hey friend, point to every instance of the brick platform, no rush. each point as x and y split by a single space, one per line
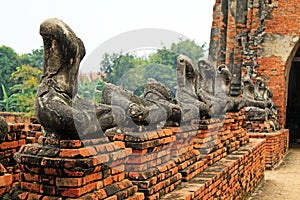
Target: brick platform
162 159
233 177
216 138
34 131
143 165
277 144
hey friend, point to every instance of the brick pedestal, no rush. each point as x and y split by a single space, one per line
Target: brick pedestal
74 169
151 165
189 160
216 138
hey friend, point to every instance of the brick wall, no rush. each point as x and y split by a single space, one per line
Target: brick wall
169 159
9 175
20 132
14 117
6 180
233 177
211 159
266 38
277 144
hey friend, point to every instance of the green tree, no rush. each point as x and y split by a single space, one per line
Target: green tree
114 66
37 57
164 56
34 59
98 91
168 56
26 81
132 72
9 60
106 65
91 90
189 48
136 78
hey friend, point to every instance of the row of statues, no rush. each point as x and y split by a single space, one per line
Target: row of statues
203 91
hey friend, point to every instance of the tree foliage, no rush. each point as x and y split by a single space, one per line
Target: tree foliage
114 66
189 48
132 72
34 59
26 81
9 60
90 90
164 56
5 101
136 78
19 78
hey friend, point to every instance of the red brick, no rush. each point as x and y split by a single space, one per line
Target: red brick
71 192
69 182
30 177
120 144
32 196
114 197
9 145
21 142
51 198
100 159
47 189
108 181
92 178
70 144
23 196
32 187
6 180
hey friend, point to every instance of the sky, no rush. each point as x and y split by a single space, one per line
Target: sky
98 21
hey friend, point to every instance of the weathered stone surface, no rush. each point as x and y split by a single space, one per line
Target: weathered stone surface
58 107
205 87
258 103
3 129
154 110
188 79
215 88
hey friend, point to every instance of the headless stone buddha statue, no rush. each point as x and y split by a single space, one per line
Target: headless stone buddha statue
188 79
155 109
215 88
58 107
250 95
256 109
263 93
